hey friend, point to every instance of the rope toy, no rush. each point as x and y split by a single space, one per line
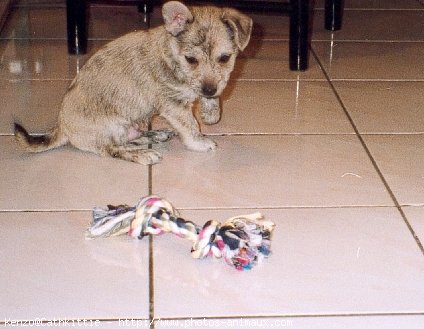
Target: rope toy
242 241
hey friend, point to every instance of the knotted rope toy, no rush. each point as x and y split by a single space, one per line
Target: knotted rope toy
242 241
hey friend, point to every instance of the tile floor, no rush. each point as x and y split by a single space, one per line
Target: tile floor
333 155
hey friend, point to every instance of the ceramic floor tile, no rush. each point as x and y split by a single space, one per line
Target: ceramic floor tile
66 178
34 103
37 59
319 256
401 158
373 25
272 26
264 59
269 171
369 60
50 22
415 216
384 107
280 107
261 60
377 4
252 107
50 271
326 322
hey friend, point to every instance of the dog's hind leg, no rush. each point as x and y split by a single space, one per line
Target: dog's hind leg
153 137
132 153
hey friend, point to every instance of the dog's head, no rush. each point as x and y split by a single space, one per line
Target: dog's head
204 43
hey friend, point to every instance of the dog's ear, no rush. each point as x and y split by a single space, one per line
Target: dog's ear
176 17
240 25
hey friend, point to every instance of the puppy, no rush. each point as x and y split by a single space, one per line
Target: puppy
157 72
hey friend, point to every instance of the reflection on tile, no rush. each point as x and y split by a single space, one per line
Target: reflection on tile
37 59
279 30
50 22
66 179
400 158
264 59
50 271
320 255
374 25
384 107
33 103
280 107
269 171
350 60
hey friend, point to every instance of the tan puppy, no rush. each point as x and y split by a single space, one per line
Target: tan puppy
157 72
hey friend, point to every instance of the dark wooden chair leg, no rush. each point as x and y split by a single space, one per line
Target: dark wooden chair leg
146 7
76 14
299 34
333 14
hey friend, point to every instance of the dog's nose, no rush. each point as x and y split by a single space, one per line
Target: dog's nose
209 90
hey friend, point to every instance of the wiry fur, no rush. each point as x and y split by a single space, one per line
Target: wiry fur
157 72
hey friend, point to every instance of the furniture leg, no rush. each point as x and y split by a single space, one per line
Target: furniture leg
299 34
76 13
333 14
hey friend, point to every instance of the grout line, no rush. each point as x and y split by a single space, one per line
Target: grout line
266 207
368 152
368 41
326 315
375 80
35 211
151 255
92 322
292 134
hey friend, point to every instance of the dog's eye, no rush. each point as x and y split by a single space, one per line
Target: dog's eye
191 60
224 58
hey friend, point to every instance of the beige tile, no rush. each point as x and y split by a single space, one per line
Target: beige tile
37 59
400 158
384 107
319 256
261 60
265 59
50 22
36 23
50 271
34 103
377 4
314 322
48 59
269 171
270 25
280 107
369 60
66 179
385 25
415 216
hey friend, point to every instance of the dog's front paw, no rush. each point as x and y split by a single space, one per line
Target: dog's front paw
210 118
210 111
201 144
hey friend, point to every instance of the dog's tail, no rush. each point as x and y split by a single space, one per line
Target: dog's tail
40 143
